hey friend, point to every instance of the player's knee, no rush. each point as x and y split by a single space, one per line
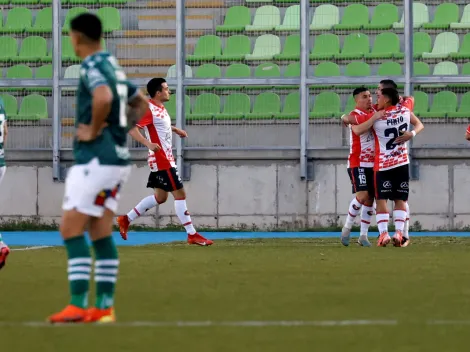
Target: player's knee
161 198
362 197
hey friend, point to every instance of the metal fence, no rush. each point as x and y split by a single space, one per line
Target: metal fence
247 75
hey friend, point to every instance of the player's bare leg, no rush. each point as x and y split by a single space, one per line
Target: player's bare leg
106 269
399 217
366 215
183 215
144 205
72 228
354 209
406 236
382 217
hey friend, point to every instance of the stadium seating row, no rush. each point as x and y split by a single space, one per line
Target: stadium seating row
355 17
33 107
20 19
34 49
64 2
327 46
326 105
42 72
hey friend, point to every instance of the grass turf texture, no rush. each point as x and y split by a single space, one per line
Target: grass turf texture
262 280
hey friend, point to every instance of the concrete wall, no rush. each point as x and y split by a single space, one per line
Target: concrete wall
259 194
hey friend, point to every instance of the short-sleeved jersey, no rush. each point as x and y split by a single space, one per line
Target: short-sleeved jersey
395 121
110 147
409 102
361 148
3 120
156 125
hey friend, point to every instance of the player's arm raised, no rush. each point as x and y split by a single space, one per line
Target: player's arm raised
367 125
418 127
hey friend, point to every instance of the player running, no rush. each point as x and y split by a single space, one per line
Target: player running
101 168
360 171
163 177
4 250
391 132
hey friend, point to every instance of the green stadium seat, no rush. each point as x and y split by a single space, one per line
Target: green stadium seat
72 72
443 68
355 46
327 69
389 68
114 2
266 19
68 54
421 44
33 107
464 21
291 19
11 105
327 104
266 70
444 15
49 2
206 71
350 105
386 46
236 19
171 73
238 71
464 108
444 102
73 12
205 107
266 46
292 70
170 106
383 18
355 16
421 103
19 72
325 17
111 18
207 48
326 47
266 105
421 69
83 2
445 44
4 2
291 108
236 106
291 49
464 52
19 19
43 22
9 48
236 47
465 71
420 16
42 72
33 49
357 69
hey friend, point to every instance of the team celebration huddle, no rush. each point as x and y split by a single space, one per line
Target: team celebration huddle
378 163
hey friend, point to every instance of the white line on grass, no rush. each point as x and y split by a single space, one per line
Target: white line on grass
30 248
248 323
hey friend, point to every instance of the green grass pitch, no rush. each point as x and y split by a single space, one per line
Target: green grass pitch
421 294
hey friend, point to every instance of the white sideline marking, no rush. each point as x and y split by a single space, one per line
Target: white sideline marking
30 248
248 323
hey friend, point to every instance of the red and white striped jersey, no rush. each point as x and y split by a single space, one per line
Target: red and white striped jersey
395 121
156 124
361 148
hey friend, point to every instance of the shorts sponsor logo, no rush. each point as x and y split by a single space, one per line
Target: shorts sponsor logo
404 185
387 184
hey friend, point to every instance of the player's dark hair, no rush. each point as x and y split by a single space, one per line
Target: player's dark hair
388 83
154 86
360 90
392 94
89 25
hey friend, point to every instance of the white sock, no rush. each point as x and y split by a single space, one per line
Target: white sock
140 209
399 217
354 208
382 221
366 216
182 212
407 222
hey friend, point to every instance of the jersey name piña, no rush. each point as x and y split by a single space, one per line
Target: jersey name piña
156 124
361 148
388 154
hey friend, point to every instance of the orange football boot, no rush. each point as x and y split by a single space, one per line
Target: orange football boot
70 314
123 222
397 238
103 316
199 240
4 251
383 240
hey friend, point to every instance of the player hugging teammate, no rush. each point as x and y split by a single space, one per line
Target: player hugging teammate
378 162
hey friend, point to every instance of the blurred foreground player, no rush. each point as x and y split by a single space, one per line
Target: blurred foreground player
163 178
101 168
4 250
391 132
